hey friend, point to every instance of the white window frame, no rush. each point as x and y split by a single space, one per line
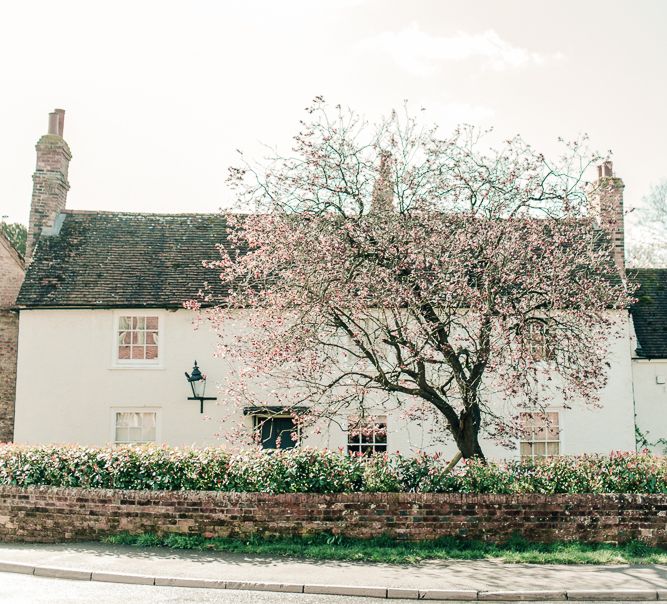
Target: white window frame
158 363
137 409
538 346
374 419
547 441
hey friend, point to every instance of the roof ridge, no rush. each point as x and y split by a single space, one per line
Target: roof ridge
129 213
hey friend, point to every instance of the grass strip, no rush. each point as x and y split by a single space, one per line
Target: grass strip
387 550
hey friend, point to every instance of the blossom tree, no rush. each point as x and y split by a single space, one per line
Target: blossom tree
386 265
650 250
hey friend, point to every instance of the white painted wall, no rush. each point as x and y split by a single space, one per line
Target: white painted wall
650 389
68 387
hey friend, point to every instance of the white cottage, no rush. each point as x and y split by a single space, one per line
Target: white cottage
104 340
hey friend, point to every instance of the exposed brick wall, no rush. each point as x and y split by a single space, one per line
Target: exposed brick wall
49 514
607 201
11 277
9 331
50 186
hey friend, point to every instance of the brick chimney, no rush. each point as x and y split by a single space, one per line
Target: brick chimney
607 205
382 198
50 185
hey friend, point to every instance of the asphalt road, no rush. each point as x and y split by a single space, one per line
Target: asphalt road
27 589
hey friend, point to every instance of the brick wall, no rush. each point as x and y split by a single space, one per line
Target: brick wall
607 203
11 277
50 514
9 331
50 186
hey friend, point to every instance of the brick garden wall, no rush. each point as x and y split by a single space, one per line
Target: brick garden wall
50 514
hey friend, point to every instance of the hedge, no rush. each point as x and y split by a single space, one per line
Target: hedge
315 471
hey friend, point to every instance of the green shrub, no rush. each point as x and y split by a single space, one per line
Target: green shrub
306 470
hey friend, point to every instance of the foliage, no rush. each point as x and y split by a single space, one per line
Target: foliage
305 470
642 440
381 549
388 266
17 235
650 248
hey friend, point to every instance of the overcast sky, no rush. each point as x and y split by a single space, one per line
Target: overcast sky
159 95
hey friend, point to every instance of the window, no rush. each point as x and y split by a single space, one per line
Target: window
541 435
137 339
135 427
275 432
367 435
540 348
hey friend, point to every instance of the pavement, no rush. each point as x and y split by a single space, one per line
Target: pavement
433 580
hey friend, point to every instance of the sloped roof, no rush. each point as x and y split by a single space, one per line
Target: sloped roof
122 259
11 251
114 259
649 314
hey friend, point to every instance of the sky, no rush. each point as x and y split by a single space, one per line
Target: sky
160 95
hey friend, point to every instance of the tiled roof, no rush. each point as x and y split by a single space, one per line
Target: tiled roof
649 314
106 259
110 259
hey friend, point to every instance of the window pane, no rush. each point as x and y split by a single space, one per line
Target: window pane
527 421
138 332
148 419
123 419
136 427
135 434
552 432
539 449
526 450
553 448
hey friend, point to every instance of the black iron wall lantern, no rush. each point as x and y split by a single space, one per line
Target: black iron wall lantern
197 382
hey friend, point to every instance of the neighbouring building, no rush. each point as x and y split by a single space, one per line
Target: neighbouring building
649 357
11 276
104 339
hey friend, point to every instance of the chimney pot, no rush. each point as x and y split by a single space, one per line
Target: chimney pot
54 123
61 121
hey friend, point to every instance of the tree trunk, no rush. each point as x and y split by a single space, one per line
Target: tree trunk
467 438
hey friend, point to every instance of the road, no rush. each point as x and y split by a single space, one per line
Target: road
27 589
